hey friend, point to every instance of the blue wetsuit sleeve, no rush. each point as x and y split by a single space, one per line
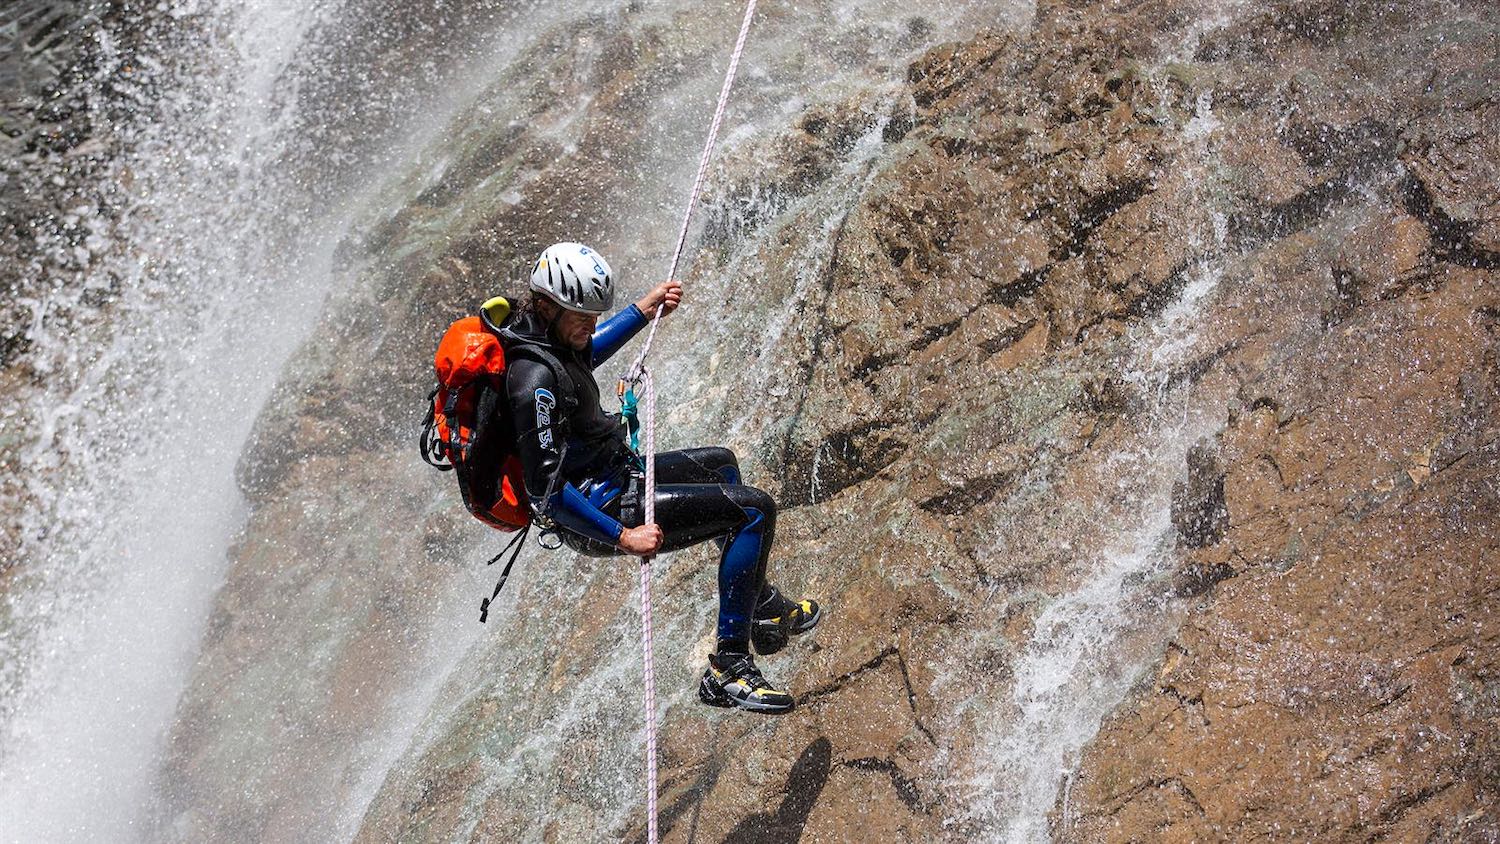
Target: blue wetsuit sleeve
537 414
571 510
615 333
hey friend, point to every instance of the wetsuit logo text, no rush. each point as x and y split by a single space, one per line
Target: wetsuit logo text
545 403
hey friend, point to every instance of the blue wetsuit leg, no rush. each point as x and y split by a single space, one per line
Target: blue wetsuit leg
692 513
698 498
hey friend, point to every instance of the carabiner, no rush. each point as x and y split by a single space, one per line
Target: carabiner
542 539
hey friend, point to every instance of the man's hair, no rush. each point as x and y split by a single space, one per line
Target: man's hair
527 305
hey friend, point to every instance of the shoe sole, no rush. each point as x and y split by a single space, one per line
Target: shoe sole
810 623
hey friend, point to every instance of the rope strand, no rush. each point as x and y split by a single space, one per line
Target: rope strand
713 133
650 402
637 374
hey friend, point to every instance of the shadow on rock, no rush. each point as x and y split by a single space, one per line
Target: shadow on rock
803 785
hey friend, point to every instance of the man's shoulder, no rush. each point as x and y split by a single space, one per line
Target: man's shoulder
536 366
528 365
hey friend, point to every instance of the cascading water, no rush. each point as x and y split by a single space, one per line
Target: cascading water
223 254
126 541
1089 646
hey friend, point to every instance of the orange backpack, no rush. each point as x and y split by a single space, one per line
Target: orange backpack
469 358
468 429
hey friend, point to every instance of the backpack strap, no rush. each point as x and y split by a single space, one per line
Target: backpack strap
432 446
567 389
516 543
453 446
531 351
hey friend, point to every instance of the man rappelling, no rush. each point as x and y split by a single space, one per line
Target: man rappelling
582 477
528 382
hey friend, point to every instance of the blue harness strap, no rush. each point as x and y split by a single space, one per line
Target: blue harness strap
630 414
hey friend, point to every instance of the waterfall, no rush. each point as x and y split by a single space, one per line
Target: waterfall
122 560
235 192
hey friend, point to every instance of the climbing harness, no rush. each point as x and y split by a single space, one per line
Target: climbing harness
638 375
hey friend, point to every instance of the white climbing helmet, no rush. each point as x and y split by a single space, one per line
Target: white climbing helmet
574 276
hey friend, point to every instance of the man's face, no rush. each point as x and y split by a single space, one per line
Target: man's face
574 329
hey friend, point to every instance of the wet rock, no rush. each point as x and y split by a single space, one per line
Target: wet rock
1452 150
1381 260
1198 576
1198 510
1339 534
825 138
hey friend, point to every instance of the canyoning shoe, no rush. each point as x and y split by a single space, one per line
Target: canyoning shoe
733 680
777 620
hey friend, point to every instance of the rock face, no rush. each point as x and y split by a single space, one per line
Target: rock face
1339 681
1140 351
1335 678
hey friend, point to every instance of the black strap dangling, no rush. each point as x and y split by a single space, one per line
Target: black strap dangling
517 544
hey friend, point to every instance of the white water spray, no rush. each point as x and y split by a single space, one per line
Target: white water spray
1089 645
222 275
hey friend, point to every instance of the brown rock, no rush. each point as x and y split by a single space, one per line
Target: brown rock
1289 681
1198 510
1382 259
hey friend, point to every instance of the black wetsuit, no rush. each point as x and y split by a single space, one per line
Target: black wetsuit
582 474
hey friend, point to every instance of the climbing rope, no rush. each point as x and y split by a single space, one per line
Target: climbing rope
638 374
639 365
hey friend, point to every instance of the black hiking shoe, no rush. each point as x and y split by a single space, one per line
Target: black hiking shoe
733 680
777 620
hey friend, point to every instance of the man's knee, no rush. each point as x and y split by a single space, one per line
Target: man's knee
720 461
754 500
717 455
